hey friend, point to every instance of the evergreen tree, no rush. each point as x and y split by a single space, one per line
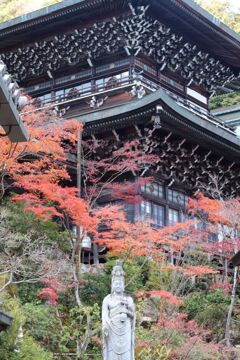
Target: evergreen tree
223 10
14 8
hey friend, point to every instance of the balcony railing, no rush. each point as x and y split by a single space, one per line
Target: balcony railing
113 85
199 111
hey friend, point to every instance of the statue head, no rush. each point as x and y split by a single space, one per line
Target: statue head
118 278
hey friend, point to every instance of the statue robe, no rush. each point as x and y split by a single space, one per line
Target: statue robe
118 320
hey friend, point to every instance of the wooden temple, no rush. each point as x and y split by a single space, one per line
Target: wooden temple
137 69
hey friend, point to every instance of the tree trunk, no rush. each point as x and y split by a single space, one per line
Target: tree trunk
78 355
225 270
230 309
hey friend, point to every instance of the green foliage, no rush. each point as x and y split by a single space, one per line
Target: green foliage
20 221
224 100
96 288
83 325
222 10
171 280
13 8
160 278
30 350
27 292
10 347
196 303
209 310
8 338
42 324
160 352
66 300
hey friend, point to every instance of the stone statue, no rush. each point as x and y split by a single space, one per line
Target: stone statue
118 320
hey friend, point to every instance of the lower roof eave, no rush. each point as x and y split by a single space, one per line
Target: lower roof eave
185 119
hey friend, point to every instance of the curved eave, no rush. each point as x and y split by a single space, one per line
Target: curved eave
196 23
43 22
174 116
64 7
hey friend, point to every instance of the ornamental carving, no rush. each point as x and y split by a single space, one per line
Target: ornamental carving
133 33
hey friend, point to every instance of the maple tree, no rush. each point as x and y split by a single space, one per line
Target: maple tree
181 245
209 216
38 170
222 218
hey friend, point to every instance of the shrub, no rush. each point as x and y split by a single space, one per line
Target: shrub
209 310
41 323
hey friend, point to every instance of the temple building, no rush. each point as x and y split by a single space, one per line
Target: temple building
230 115
10 101
5 321
143 69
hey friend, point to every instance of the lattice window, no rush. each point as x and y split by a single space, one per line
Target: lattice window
154 189
177 197
153 213
173 216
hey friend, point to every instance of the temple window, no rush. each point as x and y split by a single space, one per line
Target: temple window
46 98
157 215
212 237
177 197
173 216
123 77
152 212
161 205
113 81
154 189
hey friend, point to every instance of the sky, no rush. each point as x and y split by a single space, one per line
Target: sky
36 4
235 5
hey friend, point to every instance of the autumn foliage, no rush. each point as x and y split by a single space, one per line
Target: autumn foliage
37 172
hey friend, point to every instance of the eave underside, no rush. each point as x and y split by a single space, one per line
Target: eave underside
192 156
131 34
184 16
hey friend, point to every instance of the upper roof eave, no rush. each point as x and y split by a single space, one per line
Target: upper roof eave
67 3
196 23
67 6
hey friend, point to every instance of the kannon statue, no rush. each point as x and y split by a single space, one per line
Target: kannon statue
118 320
